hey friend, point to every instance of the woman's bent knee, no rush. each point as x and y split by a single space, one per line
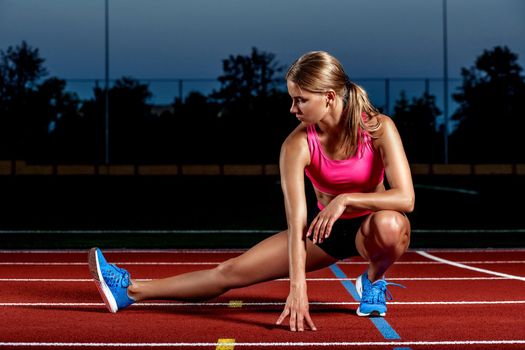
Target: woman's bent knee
390 229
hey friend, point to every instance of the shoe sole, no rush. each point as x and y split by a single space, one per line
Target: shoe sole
102 287
370 314
359 289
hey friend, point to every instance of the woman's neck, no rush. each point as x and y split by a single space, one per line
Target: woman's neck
334 123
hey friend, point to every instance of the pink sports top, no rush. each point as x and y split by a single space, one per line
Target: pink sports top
362 172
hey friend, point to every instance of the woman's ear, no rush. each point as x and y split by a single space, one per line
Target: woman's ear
330 97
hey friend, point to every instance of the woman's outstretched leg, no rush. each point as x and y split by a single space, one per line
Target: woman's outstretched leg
265 261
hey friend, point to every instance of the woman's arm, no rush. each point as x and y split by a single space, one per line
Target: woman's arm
293 159
400 196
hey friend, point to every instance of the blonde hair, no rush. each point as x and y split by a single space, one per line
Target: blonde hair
319 72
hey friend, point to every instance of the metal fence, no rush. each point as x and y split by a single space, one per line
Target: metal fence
383 91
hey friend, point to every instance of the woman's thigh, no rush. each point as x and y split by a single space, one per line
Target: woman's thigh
268 260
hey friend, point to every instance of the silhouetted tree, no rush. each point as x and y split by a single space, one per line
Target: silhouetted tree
191 134
20 69
31 111
416 122
128 112
54 110
247 79
492 109
255 111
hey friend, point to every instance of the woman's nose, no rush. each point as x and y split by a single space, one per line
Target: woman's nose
294 109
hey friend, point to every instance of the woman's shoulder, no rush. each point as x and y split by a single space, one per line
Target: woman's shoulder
383 130
380 124
297 136
297 141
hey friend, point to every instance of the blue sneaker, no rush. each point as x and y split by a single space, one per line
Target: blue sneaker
112 282
373 301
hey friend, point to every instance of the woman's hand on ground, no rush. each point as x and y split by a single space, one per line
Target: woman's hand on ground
321 226
298 309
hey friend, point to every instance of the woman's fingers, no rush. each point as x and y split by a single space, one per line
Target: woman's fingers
313 227
296 320
321 227
327 229
293 321
310 322
285 313
316 225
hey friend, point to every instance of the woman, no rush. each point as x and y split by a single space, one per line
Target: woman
345 146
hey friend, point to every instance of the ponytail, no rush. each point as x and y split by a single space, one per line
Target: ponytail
358 110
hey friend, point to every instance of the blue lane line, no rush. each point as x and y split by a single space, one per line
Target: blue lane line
384 327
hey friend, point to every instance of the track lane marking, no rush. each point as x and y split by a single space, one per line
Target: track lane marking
225 344
235 304
467 267
183 263
381 324
84 280
244 304
489 262
272 344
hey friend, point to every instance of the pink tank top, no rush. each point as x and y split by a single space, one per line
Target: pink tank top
360 173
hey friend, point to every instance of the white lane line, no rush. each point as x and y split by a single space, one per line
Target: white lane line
274 344
280 279
126 251
40 263
228 304
481 262
473 250
467 267
46 280
187 263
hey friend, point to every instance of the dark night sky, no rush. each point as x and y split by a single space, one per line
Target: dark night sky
189 38
166 38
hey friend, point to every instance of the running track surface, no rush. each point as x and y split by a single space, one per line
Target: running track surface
455 299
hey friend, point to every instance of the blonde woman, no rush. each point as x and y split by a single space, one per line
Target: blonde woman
346 148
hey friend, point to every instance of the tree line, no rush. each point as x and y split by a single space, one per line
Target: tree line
244 121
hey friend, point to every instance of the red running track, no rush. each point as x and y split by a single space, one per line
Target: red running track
48 301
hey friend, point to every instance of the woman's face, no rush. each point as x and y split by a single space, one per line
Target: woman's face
307 106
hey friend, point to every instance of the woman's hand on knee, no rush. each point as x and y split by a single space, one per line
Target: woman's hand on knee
321 226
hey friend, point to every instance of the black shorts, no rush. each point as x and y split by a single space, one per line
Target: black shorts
341 242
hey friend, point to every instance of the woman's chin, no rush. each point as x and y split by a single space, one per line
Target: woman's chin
304 120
